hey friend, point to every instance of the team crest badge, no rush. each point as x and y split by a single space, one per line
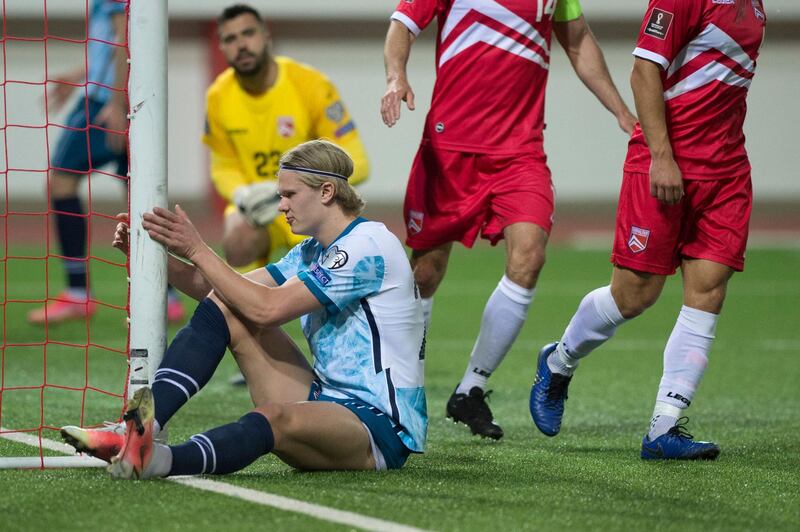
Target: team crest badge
415 222
335 111
286 126
334 258
638 240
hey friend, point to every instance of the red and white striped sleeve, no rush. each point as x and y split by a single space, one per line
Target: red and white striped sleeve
416 14
667 26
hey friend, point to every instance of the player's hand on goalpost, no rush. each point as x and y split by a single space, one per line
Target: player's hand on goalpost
258 202
174 230
122 233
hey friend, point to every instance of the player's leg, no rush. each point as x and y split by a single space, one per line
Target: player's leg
279 237
503 318
70 162
712 252
307 435
641 267
507 307
319 435
444 203
271 362
521 202
685 361
188 364
71 229
274 366
430 267
242 243
245 248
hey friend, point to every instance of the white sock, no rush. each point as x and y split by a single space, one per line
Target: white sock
427 309
686 356
160 462
595 321
502 321
561 362
664 418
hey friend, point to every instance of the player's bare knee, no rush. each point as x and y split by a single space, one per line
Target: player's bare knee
632 303
428 273
525 265
709 300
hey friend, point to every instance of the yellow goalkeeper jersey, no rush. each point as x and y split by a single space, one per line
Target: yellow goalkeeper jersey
248 134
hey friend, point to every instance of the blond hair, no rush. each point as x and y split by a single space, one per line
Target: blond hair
325 156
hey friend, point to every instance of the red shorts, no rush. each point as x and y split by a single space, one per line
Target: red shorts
453 196
710 222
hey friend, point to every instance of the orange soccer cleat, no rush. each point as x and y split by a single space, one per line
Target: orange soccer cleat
137 451
63 307
103 443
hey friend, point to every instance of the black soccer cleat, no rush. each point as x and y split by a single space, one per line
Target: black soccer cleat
471 409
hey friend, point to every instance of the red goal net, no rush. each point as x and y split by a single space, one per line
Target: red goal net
63 178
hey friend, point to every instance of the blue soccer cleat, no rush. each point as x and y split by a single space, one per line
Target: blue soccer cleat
677 444
548 393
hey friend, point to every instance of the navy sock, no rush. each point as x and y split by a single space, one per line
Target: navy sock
71 230
190 360
224 449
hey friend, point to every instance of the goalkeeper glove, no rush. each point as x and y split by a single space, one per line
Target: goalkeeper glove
258 202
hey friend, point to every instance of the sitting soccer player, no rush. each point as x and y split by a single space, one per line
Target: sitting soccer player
362 405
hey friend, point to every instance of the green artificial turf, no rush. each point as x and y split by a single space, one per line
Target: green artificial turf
588 477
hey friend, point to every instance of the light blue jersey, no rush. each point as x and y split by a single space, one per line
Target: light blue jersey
100 54
368 340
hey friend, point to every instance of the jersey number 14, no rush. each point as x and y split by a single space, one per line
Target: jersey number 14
544 8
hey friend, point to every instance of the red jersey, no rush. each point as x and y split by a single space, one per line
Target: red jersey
492 61
707 50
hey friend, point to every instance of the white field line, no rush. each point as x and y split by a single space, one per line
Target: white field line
292 505
317 511
52 461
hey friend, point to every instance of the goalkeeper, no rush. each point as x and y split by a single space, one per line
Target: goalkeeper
256 110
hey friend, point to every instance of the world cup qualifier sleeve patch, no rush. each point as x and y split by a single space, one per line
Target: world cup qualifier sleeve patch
659 23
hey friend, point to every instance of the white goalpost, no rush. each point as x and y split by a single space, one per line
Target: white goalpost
147 85
147 188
